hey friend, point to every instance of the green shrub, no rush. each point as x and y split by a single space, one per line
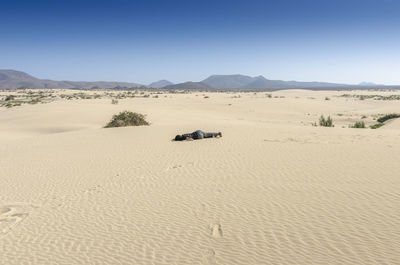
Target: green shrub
325 122
376 126
127 118
388 117
114 101
10 97
358 124
34 101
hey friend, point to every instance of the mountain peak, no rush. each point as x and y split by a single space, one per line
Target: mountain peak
160 83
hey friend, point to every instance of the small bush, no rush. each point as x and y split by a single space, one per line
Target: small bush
358 124
376 126
34 101
325 122
10 97
388 117
326 98
114 101
127 118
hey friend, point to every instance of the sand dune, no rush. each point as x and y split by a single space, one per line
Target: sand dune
273 190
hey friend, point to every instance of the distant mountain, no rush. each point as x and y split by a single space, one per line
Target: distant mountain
189 86
11 79
228 81
367 84
160 84
260 82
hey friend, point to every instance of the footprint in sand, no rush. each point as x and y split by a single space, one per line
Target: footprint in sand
179 166
173 167
94 189
216 231
209 257
11 216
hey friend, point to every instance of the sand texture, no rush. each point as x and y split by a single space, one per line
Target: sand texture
273 190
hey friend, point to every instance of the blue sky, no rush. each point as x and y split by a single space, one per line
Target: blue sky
347 41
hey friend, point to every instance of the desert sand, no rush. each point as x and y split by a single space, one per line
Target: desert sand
273 190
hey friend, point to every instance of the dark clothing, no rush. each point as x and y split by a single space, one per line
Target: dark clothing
199 135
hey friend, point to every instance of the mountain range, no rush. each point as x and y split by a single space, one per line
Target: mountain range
259 82
11 79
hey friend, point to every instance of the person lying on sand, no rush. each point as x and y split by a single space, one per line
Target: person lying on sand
196 136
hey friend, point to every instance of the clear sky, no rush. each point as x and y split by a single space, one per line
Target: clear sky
347 41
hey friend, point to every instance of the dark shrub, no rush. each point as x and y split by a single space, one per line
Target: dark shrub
10 97
388 117
358 124
127 118
325 122
376 126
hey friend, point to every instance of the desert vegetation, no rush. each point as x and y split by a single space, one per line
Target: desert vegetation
9 98
383 119
376 126
388 117
35 96
27 97
374 97
127 118
358 125
326 122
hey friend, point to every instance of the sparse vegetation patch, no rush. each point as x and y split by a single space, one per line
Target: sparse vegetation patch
374 97
358 124
388 117
326 122
384 118
9 97
376 126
